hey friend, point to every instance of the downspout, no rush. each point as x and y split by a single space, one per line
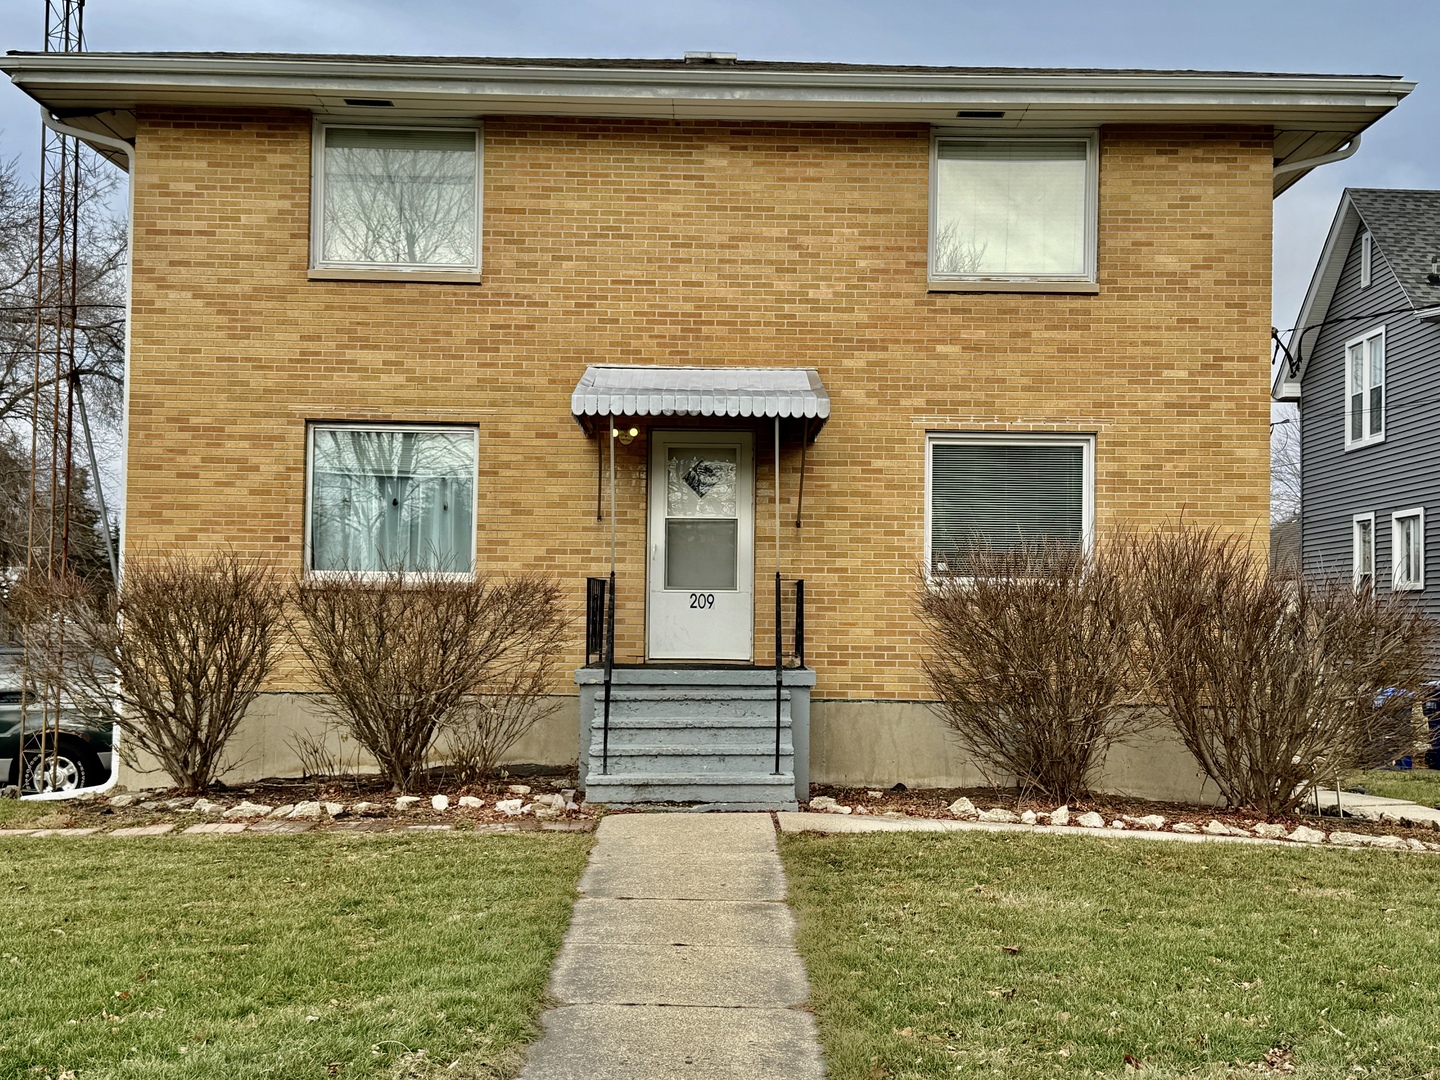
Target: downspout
117 558
1348 150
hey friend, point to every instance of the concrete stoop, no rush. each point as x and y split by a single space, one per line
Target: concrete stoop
704 736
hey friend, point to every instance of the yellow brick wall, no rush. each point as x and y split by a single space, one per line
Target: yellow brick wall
656 242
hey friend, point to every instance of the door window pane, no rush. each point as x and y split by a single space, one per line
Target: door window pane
700 482
400 198
1014 208
392 500
701 553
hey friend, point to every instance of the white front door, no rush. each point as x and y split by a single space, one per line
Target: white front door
702 545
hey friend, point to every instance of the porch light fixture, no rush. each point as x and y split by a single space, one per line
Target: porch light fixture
626 437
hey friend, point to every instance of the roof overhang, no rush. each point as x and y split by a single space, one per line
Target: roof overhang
1311 114
625 390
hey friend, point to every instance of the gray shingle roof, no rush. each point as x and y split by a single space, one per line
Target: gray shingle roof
1405 226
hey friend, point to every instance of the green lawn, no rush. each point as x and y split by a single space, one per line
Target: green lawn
1034 956
278 957
1417 785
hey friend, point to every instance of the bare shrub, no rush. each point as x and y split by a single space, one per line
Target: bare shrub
1272 681
1030 651
398 655
179 656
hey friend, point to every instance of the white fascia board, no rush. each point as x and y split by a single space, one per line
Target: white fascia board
1317 298
109 80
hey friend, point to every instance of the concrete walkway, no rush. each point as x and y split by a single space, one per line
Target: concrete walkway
680 960
1378 808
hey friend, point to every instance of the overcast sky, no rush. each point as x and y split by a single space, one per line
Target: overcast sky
1378 37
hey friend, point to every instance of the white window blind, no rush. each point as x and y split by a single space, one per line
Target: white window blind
1011 208
1003 495
394 197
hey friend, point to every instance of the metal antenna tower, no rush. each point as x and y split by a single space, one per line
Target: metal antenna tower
54 398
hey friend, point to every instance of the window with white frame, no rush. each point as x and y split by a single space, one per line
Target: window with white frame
1362 545
1004 491
1365 389
387 499
1367 252
1017 210
1407 550
392 198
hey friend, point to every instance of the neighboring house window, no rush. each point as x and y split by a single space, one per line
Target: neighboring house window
1362 540
390 499
396 198
1365 389
1367 251
1013 210
1407 549
1002 491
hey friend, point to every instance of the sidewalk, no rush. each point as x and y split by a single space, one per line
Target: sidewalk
1377 808
680 960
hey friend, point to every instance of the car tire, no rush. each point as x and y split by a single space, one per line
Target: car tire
72 766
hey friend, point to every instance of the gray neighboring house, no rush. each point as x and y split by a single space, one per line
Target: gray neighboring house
1364 366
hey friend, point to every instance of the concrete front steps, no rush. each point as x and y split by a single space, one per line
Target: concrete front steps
693 735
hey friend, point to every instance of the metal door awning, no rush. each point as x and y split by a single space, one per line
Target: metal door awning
640 390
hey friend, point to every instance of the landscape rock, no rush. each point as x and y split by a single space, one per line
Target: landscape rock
1060 816
512 807
1366 840
1090 820
862 810
822 802
334 809
367 809
874 794
1028 818
439 802
1184 827
205 806
545 812
1219 828
1149 821
152 805
1270 831
1303 834
964 808
307 811
283 811
122 801
1416 845
179 804
470 802
247 809
1117 824
555 802
405 802
569 796
999 814
518 789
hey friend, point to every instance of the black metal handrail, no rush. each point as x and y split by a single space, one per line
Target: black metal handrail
798 655
600 646
594 620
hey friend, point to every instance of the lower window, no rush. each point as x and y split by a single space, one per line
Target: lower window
1407 549
1362 551
1002 492
390 499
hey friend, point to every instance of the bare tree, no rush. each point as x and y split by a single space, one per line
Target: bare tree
399 655
956 252
1030 656
177 658
1272 681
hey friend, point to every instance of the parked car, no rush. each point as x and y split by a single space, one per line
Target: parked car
84 755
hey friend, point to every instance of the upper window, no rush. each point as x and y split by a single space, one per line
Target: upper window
1367 253
1407 549
1016 212
391 499
1362 551
1365 389
1003 491
403 199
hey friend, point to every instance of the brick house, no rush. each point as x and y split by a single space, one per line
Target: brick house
935 302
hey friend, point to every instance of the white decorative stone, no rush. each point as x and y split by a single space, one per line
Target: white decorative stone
512 807
545 812
1219 828
405 802
333 809
1184 827
439 802
555 802
1149 821
1342 837
1090 820
1117 824
964 808
1416 845
1303 834
122 801
470 802
247 809
203 806
518 789
367 808
822 802
874 794
179 804
1269 830
307 811
862 810
1060 816
1028 818
283 811
1001 815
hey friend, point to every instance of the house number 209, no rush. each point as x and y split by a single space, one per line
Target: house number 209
702 600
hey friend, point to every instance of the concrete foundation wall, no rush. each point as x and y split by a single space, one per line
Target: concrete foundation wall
852 744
